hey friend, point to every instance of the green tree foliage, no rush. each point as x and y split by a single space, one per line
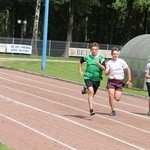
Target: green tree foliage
112 22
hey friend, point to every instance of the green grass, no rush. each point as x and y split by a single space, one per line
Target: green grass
3 147
65 70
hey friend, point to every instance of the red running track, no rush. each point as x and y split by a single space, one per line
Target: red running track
40 113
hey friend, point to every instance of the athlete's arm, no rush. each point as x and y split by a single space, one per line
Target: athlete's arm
102 65
129 82
107 71
147 75
80 66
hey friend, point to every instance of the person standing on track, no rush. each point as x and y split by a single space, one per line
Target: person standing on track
147 76
95 64
115 69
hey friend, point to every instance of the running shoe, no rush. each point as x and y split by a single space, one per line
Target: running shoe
84 91
92 112
113 113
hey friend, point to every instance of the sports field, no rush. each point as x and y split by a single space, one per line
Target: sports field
43 113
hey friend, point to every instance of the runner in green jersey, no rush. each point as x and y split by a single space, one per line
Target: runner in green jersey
95 64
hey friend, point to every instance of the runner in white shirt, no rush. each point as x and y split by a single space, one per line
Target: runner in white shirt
115 69
147 76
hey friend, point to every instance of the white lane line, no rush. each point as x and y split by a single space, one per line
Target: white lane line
73 122
45 99
47 90
69 89
36 131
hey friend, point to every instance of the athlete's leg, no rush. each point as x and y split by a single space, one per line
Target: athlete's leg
118 95
90 97
118 92
148 90
149 106
111 94
90 92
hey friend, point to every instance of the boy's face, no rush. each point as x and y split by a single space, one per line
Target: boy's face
115 54
94 50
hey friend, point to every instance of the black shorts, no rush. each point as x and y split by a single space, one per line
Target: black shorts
148 88
94 84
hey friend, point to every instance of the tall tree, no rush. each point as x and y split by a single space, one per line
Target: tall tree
35 26
70 27
144 7
80 7
129 19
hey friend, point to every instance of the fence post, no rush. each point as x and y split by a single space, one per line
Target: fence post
13 40
49 48
107 46
87 45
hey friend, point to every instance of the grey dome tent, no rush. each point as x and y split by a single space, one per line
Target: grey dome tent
136 53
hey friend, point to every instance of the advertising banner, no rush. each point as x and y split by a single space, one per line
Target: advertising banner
81 52
3 48
15 48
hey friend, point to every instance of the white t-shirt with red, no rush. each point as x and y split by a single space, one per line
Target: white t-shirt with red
116 68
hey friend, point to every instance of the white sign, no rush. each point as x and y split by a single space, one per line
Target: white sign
78 52
3 48
81 52
18 48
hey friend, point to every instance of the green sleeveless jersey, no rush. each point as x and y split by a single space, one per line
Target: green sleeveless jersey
93 70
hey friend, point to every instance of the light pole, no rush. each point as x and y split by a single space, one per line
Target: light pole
22 27
46 14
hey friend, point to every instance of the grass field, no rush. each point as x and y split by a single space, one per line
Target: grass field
3 147
56 67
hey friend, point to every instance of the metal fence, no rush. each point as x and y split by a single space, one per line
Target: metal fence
54 48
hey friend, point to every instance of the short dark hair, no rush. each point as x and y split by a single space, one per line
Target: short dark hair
94 44
114 49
